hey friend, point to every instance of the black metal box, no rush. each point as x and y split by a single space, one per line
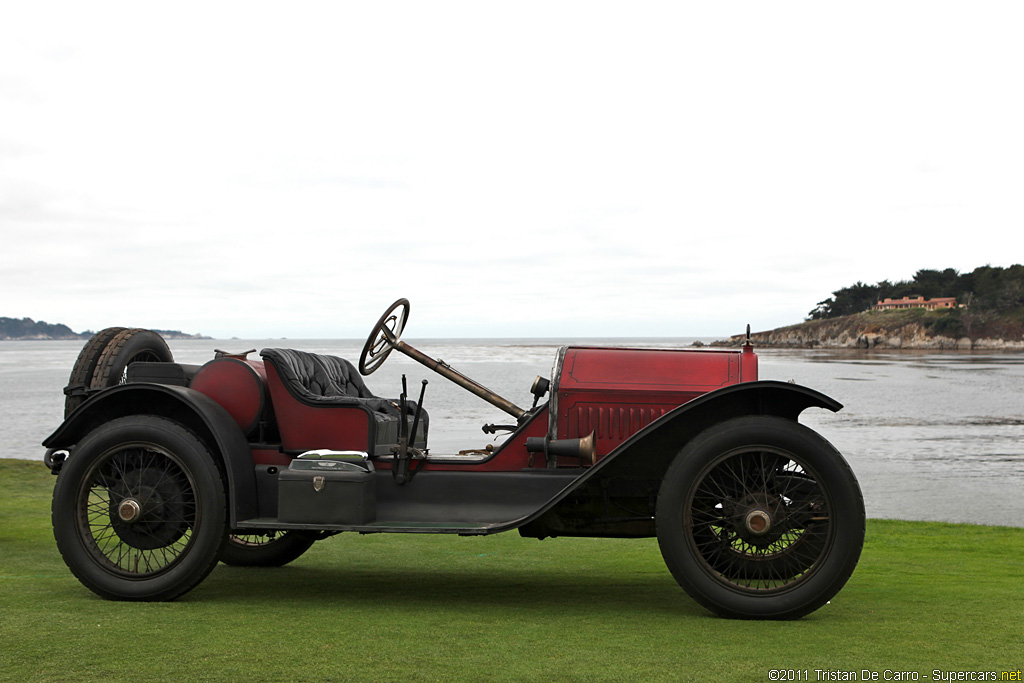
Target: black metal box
177 374
326 492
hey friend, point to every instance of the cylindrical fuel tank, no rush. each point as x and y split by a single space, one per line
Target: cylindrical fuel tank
240 386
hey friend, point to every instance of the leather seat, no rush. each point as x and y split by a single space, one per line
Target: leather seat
320 380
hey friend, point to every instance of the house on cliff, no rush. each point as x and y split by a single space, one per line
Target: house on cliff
917 302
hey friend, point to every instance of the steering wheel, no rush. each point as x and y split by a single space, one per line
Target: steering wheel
384 337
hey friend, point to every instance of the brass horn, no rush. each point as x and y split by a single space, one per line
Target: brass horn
585 449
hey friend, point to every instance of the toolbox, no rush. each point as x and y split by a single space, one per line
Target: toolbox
326 491
177 374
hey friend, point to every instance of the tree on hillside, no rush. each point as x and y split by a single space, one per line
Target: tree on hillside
26 328
846 301
999 289
986 288
934 283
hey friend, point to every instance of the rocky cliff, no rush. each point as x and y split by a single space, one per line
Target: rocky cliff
913 329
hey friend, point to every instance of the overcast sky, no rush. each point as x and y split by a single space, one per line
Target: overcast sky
515 169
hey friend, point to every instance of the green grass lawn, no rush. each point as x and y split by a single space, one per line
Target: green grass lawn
438 608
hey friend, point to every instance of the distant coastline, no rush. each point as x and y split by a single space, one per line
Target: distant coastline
26 329
980 309
906 329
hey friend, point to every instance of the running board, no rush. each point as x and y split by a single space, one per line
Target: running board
391 527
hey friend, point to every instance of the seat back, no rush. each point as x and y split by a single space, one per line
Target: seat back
315 377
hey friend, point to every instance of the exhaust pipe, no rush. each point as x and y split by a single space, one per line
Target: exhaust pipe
585 449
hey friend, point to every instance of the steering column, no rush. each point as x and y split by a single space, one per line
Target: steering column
386 337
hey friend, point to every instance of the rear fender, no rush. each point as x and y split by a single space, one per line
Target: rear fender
635 469
198 412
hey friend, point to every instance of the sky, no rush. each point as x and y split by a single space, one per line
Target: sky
528 169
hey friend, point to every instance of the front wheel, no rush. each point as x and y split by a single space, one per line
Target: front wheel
760 518
139 510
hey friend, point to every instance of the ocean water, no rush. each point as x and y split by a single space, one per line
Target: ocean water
931 435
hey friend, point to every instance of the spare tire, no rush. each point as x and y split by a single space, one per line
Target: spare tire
85 366
128 346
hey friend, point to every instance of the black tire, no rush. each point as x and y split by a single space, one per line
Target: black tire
128 346
760 518
265 550
85 367
139 510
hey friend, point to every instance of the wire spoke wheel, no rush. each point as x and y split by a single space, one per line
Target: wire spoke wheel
267 549
759 521
252 541
760 518
140 510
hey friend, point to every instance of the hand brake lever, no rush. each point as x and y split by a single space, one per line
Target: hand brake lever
400 465
416 418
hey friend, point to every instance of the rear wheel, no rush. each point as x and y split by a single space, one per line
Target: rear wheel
139 510
760 518
269 549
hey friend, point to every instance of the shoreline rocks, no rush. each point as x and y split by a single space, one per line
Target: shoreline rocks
844 335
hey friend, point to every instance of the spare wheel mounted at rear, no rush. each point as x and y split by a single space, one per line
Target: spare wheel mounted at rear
126 347
84 368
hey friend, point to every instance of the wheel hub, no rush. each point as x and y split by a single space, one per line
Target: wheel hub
129 510
760 519
149 510
758 522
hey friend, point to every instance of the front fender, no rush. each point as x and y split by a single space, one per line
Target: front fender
198 412
642 460
656 444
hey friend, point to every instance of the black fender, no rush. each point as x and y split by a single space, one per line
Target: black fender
634 470
196 411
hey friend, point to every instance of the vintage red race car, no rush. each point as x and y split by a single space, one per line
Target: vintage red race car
165 469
